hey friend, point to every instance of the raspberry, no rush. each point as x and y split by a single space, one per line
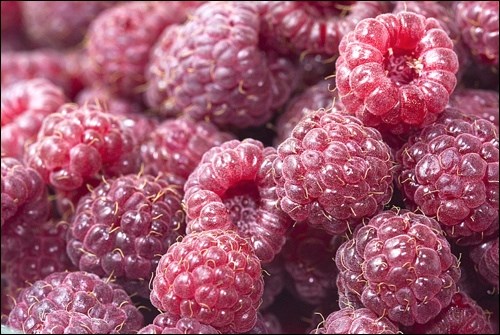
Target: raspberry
123 226
481 103
212 276
449 170
64 302
396 72
120 39
399 265
266 324
211 68
478 24
313 98
24 195
462 316
167 323
355 321
485 257
24 106
315 68
233 188
60 24
315 26
274 282
333 172
177 146
79 143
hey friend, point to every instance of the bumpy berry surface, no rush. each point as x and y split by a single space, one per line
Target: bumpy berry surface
167 323
485 256
315 26
478 24
24 106
24 195
477 102
177 146
123 226
211 68
400 266
66 302
79 143
356 321
212 276
449 170
60 24
332 172
396 71
233 188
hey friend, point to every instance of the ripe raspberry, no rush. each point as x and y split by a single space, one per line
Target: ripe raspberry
167 323
274 282
315 26
78 143
485 257
355 321
60 24
318 96
315 68
449 170
123 226
396 72
24 195
233 188
177 146
120 40
24 106
481 103
478 23
399 265
72 301
212 276
211 68
266 324
462 316
333 172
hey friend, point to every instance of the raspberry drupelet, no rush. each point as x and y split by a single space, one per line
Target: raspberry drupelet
477 102
213 277
233 188
167 323
332 172
399 265
396 71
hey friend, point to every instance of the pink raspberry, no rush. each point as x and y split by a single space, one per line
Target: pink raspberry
24 106
477 102
333 172
396 72
485 258
213 277
399 265
233 188
167 323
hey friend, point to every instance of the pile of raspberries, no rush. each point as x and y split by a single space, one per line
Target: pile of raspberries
263 167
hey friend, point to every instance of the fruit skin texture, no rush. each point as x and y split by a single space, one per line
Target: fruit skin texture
332 172
167 323
24 106
77 296
356 321
212 276
233 188
485 257
449 170
400 266
122 227
477 102
396 71
81 143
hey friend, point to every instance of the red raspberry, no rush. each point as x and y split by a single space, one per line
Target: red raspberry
399 265
24 106
449 170
485 258
177 146
78 143
123 226
355 321
478 23
24 195
67 302
213 277
60 24
167 323
274 282
233 188
481 103
333 172
396 72
11 16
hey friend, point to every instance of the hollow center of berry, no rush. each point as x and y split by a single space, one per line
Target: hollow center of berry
401 67
328 9
242 201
